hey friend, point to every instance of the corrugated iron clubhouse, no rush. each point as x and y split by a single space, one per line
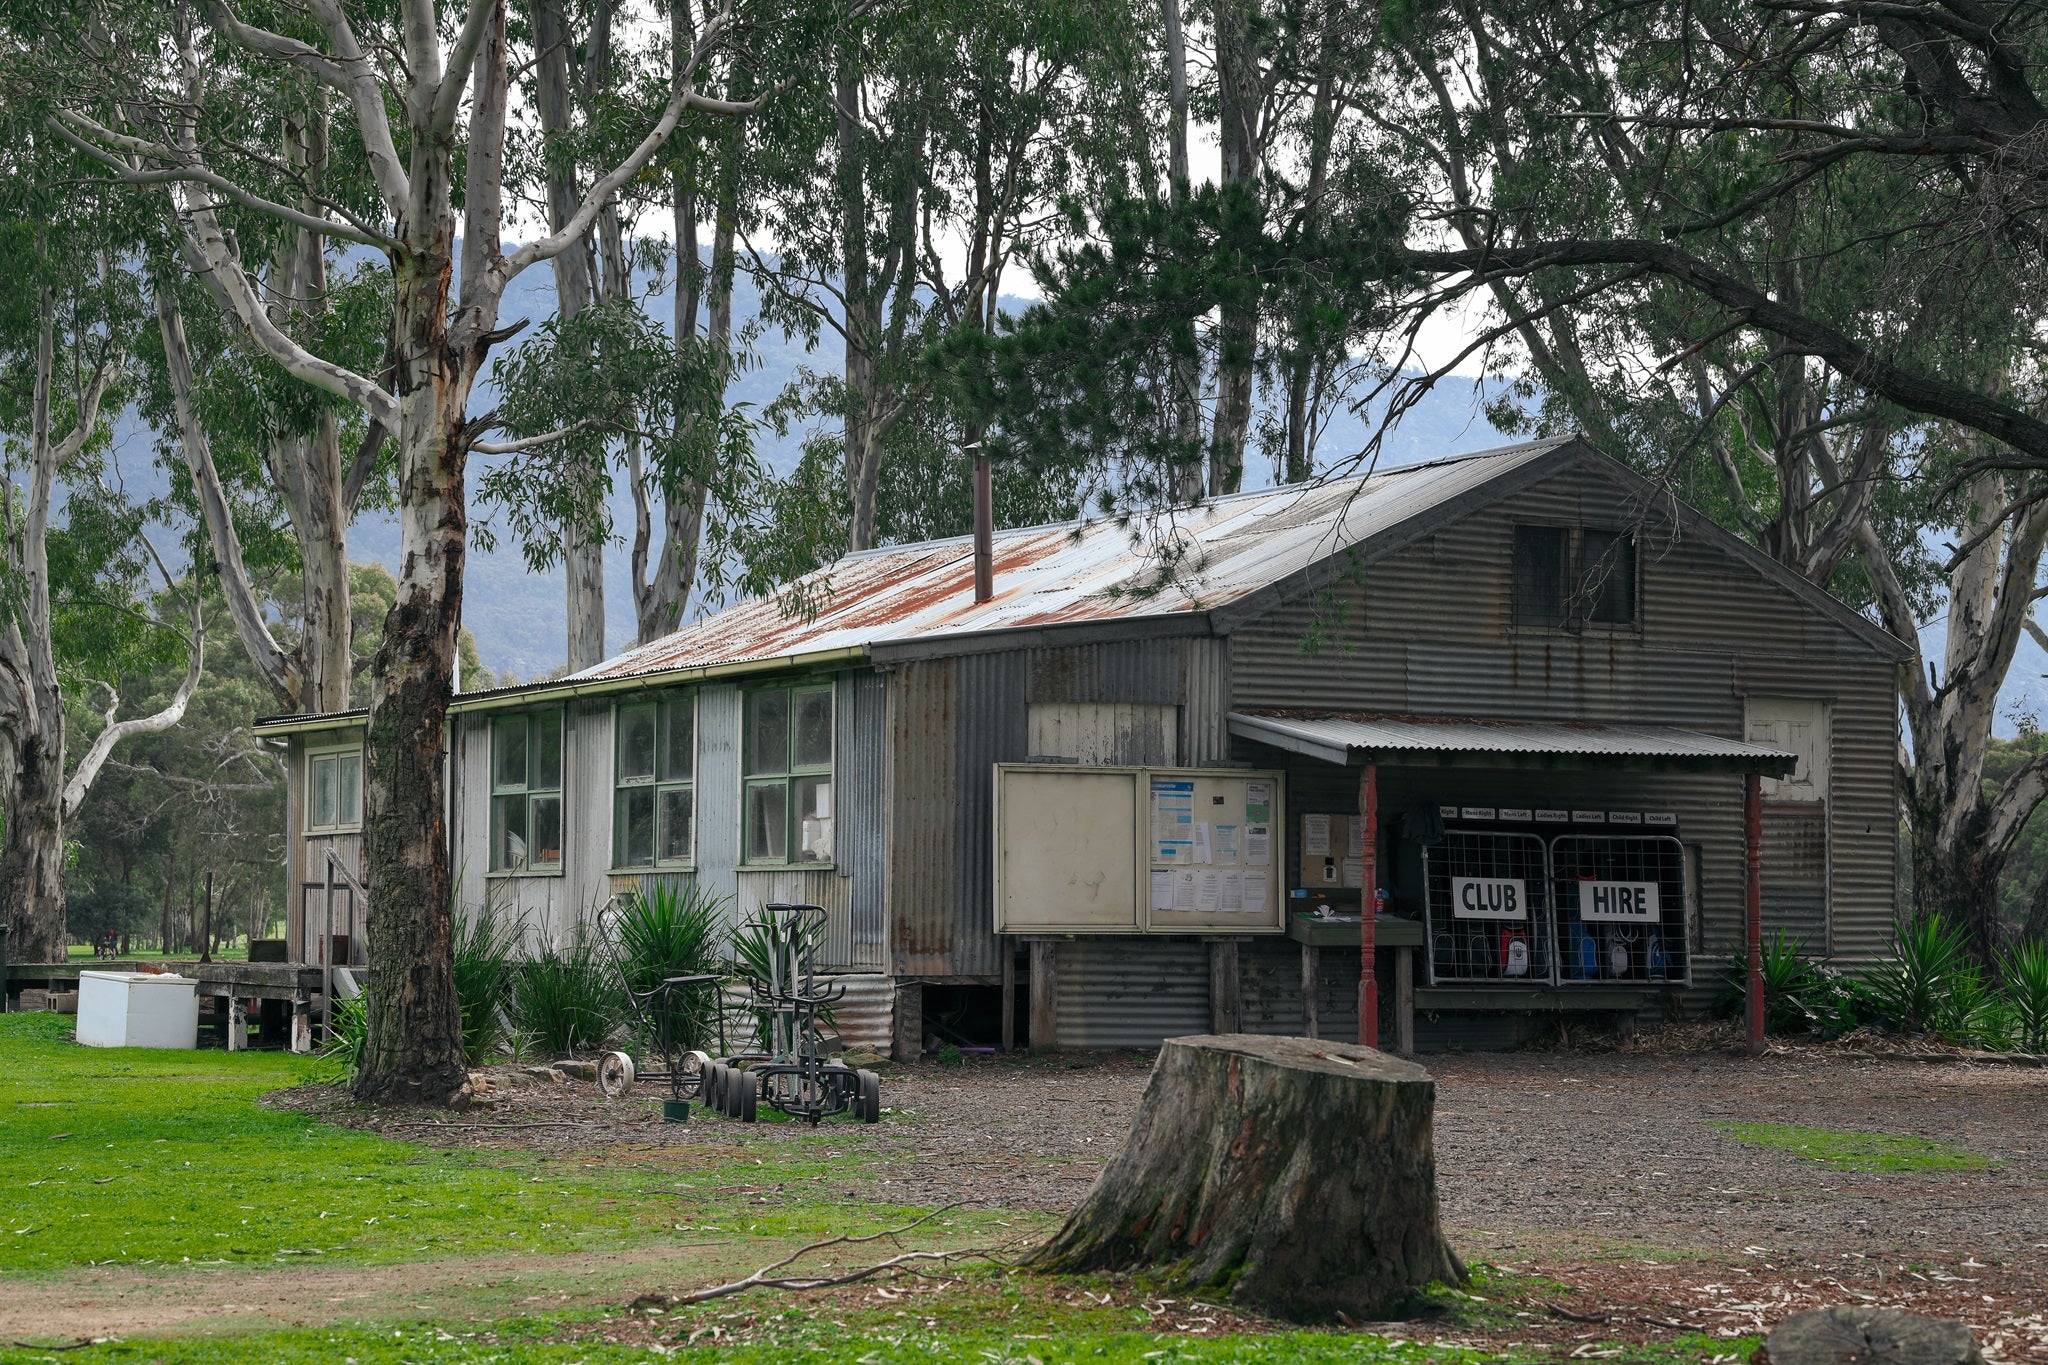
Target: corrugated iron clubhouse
1557 678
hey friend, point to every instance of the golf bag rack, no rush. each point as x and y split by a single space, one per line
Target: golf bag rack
788 1001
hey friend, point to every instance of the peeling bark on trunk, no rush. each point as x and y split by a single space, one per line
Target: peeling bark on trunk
1290 1176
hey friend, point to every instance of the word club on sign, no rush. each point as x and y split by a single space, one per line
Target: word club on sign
1618 901
1489 898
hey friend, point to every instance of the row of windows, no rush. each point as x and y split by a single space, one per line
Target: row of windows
786 780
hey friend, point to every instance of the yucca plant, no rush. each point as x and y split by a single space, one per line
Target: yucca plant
486 975
676 930
566 1000
2023 981
753 950
1799 994
348 1032
1929 984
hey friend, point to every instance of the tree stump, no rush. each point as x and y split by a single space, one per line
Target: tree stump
1287 1175
1856 1334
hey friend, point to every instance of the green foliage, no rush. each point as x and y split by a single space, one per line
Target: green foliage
1800 995
566 999
2023 981
1847 1150
677 929
1930 983
349 1033
755 946
486 977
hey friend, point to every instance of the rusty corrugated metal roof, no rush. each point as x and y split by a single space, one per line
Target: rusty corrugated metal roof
1336 736
1094 570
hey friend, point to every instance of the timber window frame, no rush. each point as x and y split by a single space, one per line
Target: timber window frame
1573 578
338 770
654 783
787 803
527 806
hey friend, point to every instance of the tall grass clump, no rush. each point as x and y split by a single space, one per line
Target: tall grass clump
1801 995
675 930
566 1000
348 1033
486 978
1930 983
2023 981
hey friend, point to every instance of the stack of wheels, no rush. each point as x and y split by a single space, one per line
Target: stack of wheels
731 1091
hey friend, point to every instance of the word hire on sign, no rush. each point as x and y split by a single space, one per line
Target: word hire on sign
1489 898
1618 901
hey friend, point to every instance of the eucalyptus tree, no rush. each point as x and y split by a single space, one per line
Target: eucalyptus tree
75 614
166 95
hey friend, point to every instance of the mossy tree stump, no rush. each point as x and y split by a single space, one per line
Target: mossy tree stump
1294 1177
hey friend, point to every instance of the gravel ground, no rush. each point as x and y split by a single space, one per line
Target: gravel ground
1601 1175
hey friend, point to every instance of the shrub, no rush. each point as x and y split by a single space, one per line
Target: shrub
2023 981
753 949
348 1034
566 1000
1930 984
1800 995
486 976
675 931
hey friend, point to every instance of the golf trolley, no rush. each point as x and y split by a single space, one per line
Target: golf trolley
787 1001
656 1006
783 995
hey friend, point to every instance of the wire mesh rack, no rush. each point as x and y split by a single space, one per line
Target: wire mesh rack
1621 911
1486 907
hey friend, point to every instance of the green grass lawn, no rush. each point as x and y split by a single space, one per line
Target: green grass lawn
1847 1150
163 1170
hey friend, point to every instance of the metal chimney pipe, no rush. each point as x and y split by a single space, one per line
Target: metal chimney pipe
984 526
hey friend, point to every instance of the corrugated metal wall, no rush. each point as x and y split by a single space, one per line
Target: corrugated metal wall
1427 633
861 782
953 720
866 1012
1131 992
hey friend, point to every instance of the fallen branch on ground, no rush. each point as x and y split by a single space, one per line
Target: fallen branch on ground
1570 1316
766 1278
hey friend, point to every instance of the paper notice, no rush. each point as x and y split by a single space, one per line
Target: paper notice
1315 836
1162 889
1226 840
1184 890
1205 847
1258 845
1252 894
1173 814
1354 872
1357 849
1258 802
1208 890
1230 896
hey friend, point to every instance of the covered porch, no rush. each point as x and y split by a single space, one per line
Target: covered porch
1516 866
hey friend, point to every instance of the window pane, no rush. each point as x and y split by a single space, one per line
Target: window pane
814 819
508 752
546 773
349 778
678 739
767 815
768 732
814 729
1609 559
1537 590
508 833
636 827
546 828
323 790
675 823
636 742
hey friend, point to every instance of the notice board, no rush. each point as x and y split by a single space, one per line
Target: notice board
1138 850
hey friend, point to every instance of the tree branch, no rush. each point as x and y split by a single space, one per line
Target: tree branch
80 783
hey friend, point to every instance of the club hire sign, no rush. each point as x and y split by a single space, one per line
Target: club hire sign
1489 898
1634 902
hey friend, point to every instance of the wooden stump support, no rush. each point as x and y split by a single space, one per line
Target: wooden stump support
1293 1177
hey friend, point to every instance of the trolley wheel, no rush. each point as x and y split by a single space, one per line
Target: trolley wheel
614 1074
869 1108
747 1099
691 1068
712 1087
729 1078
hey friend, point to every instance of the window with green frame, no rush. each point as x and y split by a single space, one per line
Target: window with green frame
654 813
787 764
334 789
526 792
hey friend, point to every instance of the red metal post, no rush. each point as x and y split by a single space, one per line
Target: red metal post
1368 908
1753 918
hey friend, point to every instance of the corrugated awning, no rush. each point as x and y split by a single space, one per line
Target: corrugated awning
1452 741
